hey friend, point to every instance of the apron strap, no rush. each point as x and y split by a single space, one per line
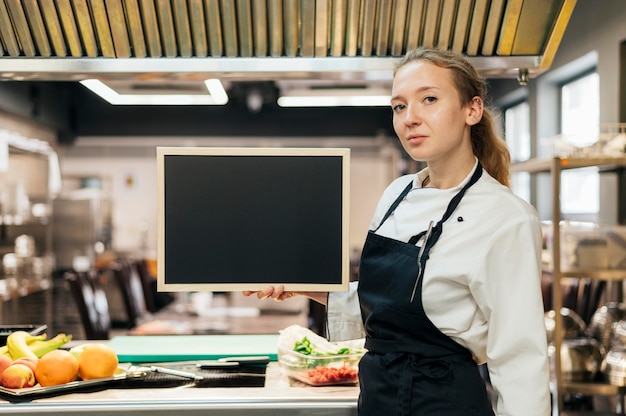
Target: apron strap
395 204
454 203
431 239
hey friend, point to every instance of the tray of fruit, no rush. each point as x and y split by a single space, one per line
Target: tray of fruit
33 365
311 359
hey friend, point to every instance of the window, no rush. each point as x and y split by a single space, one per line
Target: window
517 134
580 110
580 126
517 131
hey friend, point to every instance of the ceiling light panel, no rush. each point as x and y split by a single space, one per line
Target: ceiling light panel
334 94
159 93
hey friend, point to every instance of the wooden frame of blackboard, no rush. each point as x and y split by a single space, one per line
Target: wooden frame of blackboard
196 250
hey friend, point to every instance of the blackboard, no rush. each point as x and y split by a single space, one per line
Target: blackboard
234 219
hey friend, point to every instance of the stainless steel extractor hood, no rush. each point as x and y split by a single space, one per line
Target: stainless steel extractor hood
269 39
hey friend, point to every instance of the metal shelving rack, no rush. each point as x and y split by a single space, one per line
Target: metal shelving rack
554 167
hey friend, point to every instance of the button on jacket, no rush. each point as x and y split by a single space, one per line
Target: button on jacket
481 284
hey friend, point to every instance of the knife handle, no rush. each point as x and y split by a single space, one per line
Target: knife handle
248 360
209 365
173 372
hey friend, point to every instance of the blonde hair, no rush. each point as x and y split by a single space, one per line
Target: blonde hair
487 145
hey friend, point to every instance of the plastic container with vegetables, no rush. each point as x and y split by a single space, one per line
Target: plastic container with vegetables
307 357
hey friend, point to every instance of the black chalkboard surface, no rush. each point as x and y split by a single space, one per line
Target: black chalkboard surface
234 219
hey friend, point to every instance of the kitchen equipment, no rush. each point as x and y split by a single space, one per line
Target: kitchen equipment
613 366
591 253
601 325
189 374
78 225
618 334
581 359
25 245
573 324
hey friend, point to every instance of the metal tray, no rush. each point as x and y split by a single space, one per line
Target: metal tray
39 391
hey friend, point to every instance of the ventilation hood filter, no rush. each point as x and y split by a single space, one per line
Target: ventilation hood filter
269 39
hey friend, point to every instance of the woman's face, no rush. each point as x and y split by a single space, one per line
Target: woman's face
428 116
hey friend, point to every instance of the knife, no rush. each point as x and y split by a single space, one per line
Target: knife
197 377
228 362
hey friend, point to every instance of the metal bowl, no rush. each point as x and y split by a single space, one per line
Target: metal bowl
581 359
573 324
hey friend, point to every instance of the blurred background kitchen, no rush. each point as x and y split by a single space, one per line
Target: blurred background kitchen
78 173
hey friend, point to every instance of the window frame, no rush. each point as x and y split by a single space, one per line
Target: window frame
575 177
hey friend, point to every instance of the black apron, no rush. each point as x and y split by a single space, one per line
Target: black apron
411 367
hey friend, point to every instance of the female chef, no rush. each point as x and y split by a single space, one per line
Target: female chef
450 271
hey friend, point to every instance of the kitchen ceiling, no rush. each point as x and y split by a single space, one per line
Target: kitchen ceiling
343 41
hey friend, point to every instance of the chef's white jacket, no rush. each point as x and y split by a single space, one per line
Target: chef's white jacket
481 283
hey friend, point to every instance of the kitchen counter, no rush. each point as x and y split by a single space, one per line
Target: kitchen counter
280 396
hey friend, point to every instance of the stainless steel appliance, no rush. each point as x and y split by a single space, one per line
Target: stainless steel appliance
81 228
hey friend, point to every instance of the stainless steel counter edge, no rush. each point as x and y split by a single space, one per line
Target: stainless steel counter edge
276 399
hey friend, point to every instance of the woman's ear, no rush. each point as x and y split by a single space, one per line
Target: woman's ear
475 113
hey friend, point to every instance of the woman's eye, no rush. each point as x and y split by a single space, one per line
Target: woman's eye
397 107
430 99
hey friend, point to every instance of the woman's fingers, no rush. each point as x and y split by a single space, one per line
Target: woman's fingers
277 293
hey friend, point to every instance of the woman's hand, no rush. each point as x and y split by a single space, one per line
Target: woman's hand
279 294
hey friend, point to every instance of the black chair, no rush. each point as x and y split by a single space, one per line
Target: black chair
92 303
131 288
155 300
146 284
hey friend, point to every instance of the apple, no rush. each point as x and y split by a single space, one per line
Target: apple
27 361
5 361
17 376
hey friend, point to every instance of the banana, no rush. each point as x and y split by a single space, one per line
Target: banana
17 344
4 350
39 348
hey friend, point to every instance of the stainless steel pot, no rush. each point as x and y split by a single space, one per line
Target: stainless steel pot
581 359
618 334
573 324
601 324
613 366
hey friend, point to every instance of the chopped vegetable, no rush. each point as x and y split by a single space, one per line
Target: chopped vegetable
303 346
333 375
306 347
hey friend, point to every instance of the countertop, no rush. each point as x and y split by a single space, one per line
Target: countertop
279 396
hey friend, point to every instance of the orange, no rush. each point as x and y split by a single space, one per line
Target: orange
56 367
97 361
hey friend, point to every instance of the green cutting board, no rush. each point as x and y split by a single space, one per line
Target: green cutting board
162 348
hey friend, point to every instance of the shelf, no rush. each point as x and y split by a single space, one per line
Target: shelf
593 388
607 274
39 222
545 165
604 274
554 167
